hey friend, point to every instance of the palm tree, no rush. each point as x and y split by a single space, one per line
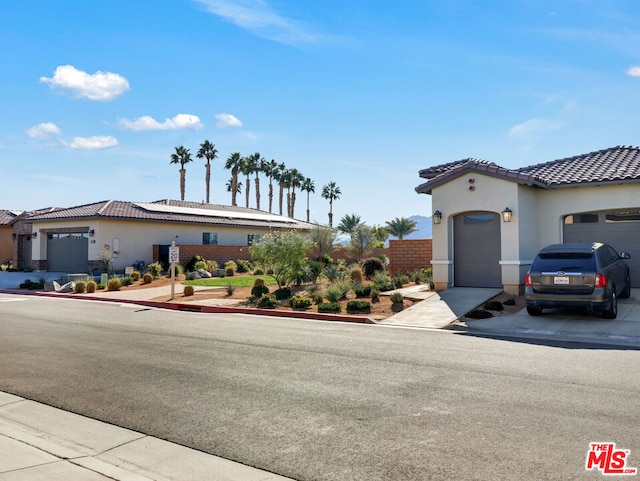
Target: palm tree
258 167
400 227
207 151
233 163
270 169
331 191
247 168
296 179
308 186
348 223
281 177
181 156
229 186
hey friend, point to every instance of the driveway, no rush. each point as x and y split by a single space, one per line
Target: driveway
12 280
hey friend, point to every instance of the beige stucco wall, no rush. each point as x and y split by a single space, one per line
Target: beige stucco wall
6 243
136 239
537 220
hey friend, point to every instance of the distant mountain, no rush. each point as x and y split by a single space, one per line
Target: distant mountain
423 224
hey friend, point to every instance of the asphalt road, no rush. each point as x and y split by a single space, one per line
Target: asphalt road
326 401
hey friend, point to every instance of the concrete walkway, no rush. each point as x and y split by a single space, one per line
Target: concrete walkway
41 443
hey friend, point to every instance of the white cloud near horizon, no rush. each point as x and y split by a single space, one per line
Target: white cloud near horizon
634 71
259 18
43 131
227 120
535 127
97 142
100 86
146 122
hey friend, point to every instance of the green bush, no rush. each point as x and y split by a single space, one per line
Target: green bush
258 290
81 286
243 266
229 271
135 275
317 298
230 289
400 280
155 269
147 278
493 306
396 298
231 265
258 272
29 284
332 272
113 284
374 295
211 266
372 265
478 314
329 307
355 275
363 307
362 291
91 287
282 293
126 281
300 302
337 291
380 277
268 302
188 291
100 286
510 302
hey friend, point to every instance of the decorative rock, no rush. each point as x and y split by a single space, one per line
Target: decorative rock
217 273
50 286
68 287
204 274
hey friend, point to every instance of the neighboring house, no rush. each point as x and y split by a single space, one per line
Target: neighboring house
490 222
7 219
76 238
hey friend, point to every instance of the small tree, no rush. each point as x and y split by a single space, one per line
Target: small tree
362 240
323 240
282 255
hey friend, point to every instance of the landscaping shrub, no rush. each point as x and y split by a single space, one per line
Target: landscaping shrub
147 278
396 298
113 284
188 291
510 302
268 302
231 265
126 281
91 287
135 275
355 275
258 272
195 263
355 307
101 286
493 306
400 280
243 266
211 266
362 291
282 293
300 302
258 290
29 284
81 286
229 271
317 298
417 276
230 289
329 307
374 295
332 272
337 291
155 269
371 265
478 314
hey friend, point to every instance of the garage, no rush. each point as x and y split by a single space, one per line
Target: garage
68 252
477 250
619 228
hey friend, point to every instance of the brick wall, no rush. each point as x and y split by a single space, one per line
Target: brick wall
410 255
220 254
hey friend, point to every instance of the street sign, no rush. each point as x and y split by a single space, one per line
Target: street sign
174 255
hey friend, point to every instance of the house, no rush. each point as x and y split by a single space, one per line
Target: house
77 239
490 221
7 219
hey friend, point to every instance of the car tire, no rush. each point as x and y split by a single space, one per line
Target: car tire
534 311
612 311
626 293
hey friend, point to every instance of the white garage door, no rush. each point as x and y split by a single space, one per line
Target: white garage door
620 229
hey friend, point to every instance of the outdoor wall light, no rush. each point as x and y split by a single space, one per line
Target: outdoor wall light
13 236
34 235
92 233
437 217
506 214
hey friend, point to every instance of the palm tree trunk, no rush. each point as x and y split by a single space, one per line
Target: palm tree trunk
257 192
182 182
331 213
308 206
281 196
247 189
234 188
208 179
270 196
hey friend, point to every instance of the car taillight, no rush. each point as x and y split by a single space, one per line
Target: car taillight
601 281
527 280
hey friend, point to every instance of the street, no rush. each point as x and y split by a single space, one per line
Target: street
326 401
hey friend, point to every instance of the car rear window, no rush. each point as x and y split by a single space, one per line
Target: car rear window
565 261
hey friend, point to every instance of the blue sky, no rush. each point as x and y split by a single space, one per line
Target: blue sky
96 95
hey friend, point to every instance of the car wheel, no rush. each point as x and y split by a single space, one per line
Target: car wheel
626 293
534 311
612 311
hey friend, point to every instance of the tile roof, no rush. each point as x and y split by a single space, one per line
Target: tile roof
616 164
174 211
7 217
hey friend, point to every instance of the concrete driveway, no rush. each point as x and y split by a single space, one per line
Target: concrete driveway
12 280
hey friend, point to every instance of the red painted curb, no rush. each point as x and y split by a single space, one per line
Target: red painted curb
318 316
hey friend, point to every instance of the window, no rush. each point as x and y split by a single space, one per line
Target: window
633 216
251 238
581 219
210 238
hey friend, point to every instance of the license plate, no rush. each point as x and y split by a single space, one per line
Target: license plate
561 280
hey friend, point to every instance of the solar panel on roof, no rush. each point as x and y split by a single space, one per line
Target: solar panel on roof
174 209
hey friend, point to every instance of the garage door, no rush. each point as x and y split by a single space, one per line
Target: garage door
68 252
621 229
477 250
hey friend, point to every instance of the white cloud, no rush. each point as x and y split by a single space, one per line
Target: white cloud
180 121
535 127
43 130
257 17
101 86
92 143
634 71
227 120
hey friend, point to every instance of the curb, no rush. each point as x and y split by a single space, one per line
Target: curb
317 316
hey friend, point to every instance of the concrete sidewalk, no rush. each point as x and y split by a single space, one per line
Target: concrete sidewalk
41 443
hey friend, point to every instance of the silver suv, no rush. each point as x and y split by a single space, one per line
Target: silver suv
583 275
